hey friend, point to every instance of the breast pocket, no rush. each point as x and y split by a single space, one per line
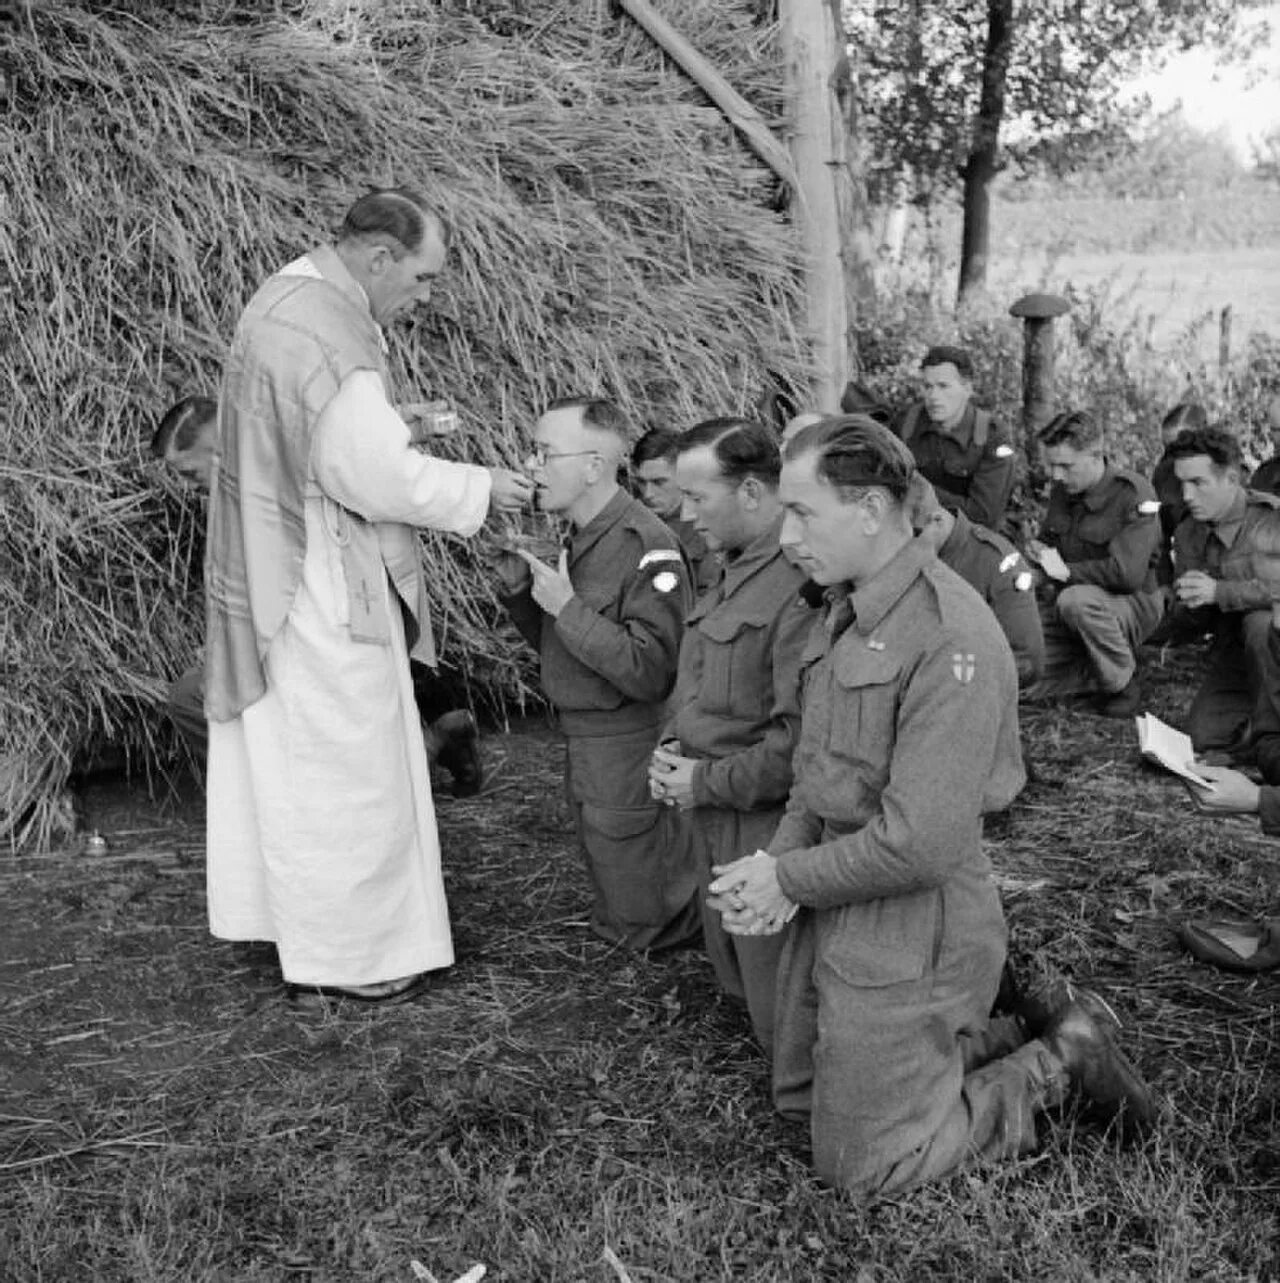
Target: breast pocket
735 674
1096 530
865 709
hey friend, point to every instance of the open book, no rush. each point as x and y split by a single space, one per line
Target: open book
1171 749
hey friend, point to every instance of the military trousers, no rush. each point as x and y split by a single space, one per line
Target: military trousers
745 966
643 884
1240 682
902 1082
1091 638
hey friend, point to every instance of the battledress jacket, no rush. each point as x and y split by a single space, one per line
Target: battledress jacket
608 661
972 467
737 699
909 733
1224 550
995 569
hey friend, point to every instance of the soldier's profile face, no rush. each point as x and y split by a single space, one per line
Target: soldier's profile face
827 537
658 491
713 504
561 458
1074 469
946 393
1207 490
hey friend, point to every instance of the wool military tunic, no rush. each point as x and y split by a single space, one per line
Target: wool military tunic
909 734
971 466
1109 535
737 710
997 572
1233 703
608 663
1094 622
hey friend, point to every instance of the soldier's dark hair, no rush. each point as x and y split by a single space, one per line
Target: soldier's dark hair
657 443
1186 414
855 454
597 413
741 448
183 423
395 217
946 354
1216 443
1076 428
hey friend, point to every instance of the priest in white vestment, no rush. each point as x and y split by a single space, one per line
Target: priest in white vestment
321 828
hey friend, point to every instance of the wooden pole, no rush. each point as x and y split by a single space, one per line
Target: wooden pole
812 41
740 113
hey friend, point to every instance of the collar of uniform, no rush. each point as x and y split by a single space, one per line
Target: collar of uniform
960 532
754 557
585 536
1227 527
1097 494
874 599
963 431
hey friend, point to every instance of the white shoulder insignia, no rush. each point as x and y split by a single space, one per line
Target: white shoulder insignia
963 667
1009 562
1148 507
1003 451
665 580
658 554
1023 582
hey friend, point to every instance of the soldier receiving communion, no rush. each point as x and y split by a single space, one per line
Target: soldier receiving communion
606 623
884 1042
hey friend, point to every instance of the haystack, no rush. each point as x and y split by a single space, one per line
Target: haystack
163 157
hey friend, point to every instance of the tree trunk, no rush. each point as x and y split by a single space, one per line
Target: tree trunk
812 49
983 164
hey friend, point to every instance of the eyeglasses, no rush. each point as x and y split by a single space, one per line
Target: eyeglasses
541 455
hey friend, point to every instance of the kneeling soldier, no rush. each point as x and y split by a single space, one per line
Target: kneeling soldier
893 956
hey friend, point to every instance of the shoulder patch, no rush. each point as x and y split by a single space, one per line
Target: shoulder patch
657 555
1024 581
1149 507
665 580
1009 562
1003 451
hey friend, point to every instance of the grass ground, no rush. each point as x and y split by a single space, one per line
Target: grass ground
561 1111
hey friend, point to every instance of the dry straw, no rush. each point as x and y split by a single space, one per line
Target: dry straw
161 159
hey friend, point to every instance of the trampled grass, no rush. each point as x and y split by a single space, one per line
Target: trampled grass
562 1112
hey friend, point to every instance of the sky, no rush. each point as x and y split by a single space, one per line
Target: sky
1243 100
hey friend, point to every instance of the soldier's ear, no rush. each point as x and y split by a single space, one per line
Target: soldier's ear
752 490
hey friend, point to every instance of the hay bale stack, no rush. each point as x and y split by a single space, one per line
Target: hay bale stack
163 158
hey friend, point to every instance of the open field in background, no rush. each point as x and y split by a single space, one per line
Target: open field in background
1175 264
1175 293
167 1117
